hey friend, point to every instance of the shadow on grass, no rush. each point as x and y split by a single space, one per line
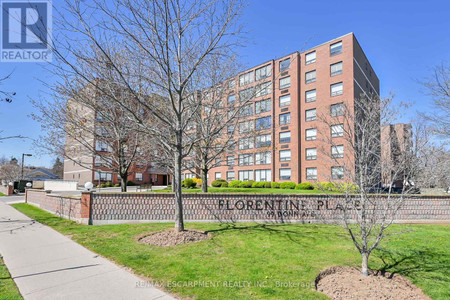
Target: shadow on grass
416 264
297 236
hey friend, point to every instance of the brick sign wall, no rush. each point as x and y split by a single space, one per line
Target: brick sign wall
119 208
113 208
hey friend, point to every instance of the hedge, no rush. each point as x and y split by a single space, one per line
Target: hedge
275 185
246 184
304 186
218 182
234 183
288 185
189 183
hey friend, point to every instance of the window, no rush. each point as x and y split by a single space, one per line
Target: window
230 175
337 151
337 130
285 82
263 72
246 78
231 99
337 89
285 155
285 100
285 64
138 176
231 84
263 123
310 77
102 161
101 146
246 159
218 175
337 172
263 89
230 161
263 158
247 110
263 106
311 173
285 119
245 175
263 175
310 58
246 94
245 143
285 137
189 175
246 126
285 174
218 162
103 176
337 110
311 134
336 48
230 129
264 140
231 145
310 115
310 96
336 69
311 153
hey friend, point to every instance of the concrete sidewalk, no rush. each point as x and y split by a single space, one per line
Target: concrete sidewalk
47 265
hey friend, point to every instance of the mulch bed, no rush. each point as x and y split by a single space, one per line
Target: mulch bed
348 283
171 237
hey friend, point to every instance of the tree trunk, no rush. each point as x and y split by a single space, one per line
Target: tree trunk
179 222
204 180
123 182
365 264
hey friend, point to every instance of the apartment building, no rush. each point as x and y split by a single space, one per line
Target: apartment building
288 94
396 139
88 158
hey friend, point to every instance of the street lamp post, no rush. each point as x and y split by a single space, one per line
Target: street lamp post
23 157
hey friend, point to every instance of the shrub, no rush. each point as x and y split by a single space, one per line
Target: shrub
218 182
131 183
304 186
224 184
234 183
246 184
107 184
258 185
189 183
198 181
267 185
288 185
103 185
275 185
323 186
117 185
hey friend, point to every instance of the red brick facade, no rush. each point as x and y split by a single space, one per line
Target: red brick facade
357 77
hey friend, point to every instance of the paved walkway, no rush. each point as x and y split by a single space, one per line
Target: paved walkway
47 265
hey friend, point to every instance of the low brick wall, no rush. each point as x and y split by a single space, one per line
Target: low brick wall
6 189
63 206
116 208
139 207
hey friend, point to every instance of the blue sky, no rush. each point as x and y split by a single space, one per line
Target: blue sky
402 39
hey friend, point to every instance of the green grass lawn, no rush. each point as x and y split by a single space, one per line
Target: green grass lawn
263 254
246 191
8 289
2 195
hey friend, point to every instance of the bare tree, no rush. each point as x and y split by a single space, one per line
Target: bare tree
367 209
167 44
438 88
10 173
6 96
82 120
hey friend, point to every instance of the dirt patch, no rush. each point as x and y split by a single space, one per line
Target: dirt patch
348 283
172 237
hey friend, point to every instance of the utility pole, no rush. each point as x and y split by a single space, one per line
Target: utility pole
23 157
